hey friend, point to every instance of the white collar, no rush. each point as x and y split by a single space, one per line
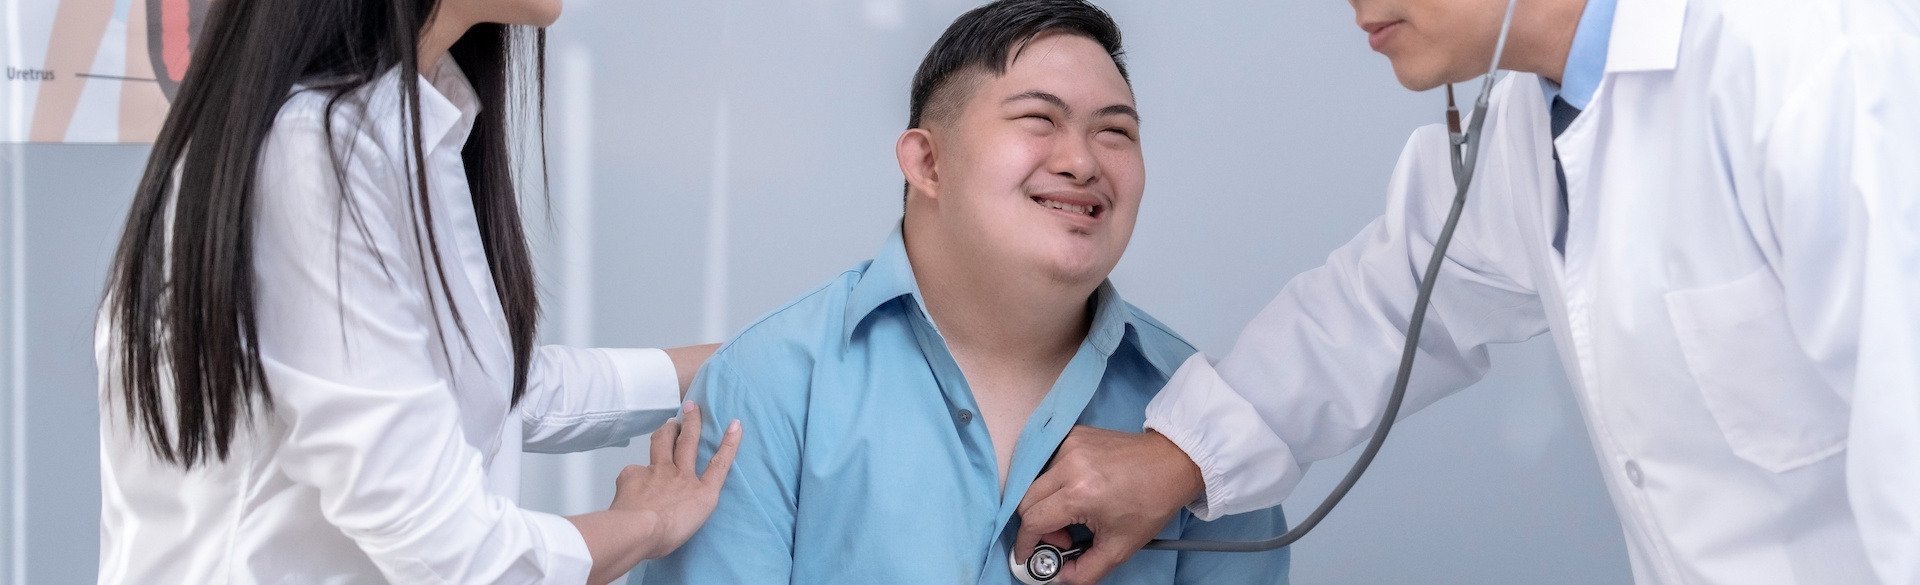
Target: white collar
448 105
1646 35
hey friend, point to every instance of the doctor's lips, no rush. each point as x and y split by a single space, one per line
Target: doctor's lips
1073 203
1379 32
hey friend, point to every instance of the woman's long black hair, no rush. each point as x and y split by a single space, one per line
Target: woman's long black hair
181 296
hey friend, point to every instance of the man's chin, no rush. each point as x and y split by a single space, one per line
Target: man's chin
1415 79
1079 271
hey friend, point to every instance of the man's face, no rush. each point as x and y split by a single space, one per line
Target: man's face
1432 42
1041 168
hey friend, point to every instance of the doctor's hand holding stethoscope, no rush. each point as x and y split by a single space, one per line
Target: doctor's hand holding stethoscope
1711 205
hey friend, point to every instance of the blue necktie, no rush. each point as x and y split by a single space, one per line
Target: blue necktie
1561 116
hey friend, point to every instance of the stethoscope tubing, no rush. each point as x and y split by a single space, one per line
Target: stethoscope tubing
1464 148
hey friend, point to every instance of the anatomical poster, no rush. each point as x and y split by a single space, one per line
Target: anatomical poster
93 71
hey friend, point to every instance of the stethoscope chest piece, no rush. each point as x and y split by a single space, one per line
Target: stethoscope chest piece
1040 568
1044 565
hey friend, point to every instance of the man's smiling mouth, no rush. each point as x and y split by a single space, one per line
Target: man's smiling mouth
1077 207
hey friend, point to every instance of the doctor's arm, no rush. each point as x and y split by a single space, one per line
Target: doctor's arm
1309 375
1842 196
578 399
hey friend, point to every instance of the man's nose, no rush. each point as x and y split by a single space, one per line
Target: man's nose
1072 157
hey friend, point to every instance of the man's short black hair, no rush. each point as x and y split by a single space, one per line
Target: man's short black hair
987 36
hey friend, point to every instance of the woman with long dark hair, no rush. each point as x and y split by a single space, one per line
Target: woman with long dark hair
316 346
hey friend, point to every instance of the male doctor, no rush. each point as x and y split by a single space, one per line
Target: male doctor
1712 205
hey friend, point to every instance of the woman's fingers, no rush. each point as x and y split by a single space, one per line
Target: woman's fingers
688 445
723 458
661 455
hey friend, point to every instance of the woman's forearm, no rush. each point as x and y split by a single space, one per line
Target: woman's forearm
617 539
687 361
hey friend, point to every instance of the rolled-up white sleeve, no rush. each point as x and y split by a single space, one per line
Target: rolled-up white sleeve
587 398
346 340
1843 196
1308 377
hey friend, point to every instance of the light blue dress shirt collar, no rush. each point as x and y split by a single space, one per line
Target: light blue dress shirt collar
890 277
1587 58
866 460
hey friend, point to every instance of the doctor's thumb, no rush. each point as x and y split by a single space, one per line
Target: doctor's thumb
1092 566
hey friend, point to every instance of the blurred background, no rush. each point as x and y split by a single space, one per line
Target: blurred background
710 160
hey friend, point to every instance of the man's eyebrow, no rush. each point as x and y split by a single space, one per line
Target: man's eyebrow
1116 109
1042 96
1119 109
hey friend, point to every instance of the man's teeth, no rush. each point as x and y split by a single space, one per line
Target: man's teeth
1080 209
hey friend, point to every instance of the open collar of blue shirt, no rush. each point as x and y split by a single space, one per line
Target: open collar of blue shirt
890 276
1586 58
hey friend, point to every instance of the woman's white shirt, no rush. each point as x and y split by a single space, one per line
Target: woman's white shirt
390 451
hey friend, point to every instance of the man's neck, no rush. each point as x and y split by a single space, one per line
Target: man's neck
1011 332
1542 36
1007 318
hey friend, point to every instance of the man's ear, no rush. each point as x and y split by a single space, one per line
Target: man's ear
917 160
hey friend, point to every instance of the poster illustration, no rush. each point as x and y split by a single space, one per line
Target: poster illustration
93 71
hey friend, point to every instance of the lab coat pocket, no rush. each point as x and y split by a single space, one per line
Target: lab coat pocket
1764 392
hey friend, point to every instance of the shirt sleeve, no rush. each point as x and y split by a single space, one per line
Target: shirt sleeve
579 399
1309 376
1842 196
345 336
749 537
1205 568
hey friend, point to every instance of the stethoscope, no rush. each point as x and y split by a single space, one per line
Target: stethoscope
1047 559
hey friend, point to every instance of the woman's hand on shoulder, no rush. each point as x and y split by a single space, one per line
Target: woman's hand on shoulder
668 493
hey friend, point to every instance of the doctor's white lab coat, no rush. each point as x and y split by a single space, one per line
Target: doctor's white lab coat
1738 304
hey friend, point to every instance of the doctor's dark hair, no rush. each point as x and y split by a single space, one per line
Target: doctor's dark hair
989 37
181 298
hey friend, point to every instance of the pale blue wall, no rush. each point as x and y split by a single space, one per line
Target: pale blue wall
1269 132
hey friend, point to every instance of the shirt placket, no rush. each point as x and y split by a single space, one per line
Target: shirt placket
963 412
1039 438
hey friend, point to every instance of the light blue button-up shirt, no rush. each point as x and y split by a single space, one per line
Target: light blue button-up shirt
864 460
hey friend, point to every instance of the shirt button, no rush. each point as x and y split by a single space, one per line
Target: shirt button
1633 473
965 416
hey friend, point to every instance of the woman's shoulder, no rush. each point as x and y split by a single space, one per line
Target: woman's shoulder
350 114
326 141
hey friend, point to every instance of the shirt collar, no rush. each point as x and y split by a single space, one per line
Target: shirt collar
448 105
1645 35
889 276
1587 58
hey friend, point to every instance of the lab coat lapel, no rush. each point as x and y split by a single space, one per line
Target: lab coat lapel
1518 165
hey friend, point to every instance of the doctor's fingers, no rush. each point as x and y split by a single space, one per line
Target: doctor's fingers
1092 566
687 445
1112 541
1065 493
1036 524
661 455
1047 515
722 460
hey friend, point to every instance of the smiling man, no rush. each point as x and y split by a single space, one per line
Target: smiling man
900 411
